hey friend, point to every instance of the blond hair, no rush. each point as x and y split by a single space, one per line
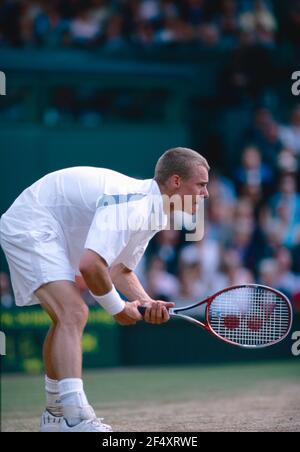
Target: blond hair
180 161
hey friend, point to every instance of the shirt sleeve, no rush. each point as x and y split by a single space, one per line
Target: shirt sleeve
135 249
108 234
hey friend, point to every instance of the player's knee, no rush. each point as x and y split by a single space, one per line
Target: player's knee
74 317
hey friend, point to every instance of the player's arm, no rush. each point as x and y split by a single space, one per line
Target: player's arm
95 272
128 284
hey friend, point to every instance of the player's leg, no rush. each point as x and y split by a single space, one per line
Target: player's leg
52 417
51 373
69 313
63 355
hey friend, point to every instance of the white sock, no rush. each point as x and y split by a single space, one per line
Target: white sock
54 405
75 405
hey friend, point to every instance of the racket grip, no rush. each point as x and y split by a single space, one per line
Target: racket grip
142 310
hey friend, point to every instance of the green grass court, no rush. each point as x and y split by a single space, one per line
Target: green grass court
250 397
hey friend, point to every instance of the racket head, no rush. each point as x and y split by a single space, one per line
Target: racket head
249 316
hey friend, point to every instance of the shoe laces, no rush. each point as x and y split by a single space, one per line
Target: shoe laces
98 422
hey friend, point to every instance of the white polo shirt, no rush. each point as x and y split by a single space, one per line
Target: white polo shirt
52 222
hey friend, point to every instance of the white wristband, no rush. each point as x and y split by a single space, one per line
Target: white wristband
111 301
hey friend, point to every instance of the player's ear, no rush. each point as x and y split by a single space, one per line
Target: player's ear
175 181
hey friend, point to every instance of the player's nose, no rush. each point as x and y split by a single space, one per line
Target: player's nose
205 193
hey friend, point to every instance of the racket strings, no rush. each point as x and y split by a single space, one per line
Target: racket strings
250 316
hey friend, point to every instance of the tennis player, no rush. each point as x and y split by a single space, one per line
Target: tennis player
97 223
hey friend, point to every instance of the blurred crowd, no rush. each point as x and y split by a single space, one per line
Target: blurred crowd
116 24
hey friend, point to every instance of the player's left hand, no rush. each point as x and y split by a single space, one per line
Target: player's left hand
157 311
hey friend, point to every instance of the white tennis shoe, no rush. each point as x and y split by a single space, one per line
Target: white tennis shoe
91 425
50 423
57 424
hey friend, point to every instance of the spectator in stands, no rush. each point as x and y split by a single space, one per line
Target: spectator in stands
209 35
287 162
218 22
285 207
244 213
49 28
223 189
269 142
274 236
114 33
227 20
290 134
287 279
175 31
149 10
263 118
261 21
144 35
83 29
159 283
100 12
233 272
219 221
220 209
269 273
253 172
169 8
206 253
193 286
242 240
166 246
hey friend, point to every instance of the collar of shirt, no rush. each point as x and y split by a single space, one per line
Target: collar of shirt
158 218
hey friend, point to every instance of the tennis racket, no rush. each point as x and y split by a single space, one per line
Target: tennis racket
249 316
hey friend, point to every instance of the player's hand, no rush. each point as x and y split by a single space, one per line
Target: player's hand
130 314
157 312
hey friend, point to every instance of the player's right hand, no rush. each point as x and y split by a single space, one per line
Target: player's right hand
130 314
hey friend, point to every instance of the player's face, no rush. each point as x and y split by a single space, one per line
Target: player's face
195 187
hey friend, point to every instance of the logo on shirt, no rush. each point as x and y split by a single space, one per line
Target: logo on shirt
296 84
2 84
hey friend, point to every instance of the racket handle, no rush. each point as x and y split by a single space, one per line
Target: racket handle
142 310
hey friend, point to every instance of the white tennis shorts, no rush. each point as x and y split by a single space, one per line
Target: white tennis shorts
36 255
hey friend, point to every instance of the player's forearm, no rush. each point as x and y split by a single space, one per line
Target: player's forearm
94 270
96 274
128 284
98 281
